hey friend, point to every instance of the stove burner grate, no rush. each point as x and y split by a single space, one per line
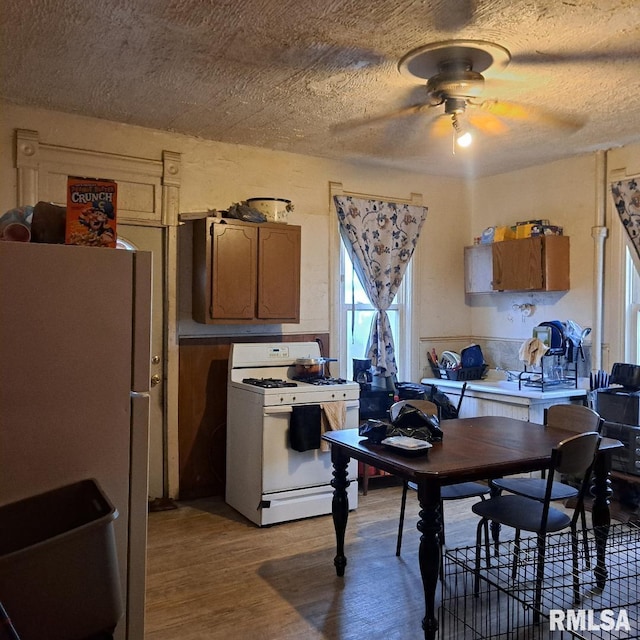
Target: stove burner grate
268 383
320 381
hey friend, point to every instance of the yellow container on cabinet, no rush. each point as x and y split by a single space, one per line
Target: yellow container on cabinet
504 233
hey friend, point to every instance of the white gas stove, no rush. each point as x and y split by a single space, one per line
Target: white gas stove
267 480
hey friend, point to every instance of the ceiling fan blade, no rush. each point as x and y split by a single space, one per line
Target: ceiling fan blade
550 57
364 122
441 127
515 111
318 55
486 122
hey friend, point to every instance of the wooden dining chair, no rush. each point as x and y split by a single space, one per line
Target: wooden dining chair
453 492
574 456
573 417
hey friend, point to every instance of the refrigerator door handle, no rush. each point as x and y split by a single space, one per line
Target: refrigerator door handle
140 360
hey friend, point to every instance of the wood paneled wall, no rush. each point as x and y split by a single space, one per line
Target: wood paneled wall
202 407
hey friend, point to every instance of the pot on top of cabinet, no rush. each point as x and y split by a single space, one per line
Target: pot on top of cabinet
275 209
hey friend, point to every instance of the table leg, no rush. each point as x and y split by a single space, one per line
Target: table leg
365 478
429 525
495 527
340 505
600 515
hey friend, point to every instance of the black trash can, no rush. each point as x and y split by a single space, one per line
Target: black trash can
59 576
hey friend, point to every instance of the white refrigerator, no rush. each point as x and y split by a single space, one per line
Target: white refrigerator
74 380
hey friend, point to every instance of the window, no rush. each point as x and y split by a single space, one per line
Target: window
632 305
357 312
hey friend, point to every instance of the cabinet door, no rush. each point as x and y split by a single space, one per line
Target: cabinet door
531 264
478 269
517 265
555 261
233 271
279 273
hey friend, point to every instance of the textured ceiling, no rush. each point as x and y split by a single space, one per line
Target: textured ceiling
285 74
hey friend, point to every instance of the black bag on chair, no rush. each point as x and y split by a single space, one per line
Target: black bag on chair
446 408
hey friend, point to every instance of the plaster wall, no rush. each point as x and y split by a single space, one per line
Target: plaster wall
570 193
563 192
215 175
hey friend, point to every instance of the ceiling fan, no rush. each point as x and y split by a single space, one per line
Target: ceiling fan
453 73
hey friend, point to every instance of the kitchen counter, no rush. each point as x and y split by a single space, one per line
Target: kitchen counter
495 383
494 395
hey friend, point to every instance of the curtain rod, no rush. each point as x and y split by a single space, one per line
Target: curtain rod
336 189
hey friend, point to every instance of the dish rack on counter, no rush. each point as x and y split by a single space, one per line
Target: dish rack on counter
462 374
559 373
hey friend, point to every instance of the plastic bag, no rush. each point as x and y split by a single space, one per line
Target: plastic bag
241 211
374 430
414 423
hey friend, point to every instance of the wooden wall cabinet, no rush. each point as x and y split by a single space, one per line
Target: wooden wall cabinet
478 268
245 273
529 264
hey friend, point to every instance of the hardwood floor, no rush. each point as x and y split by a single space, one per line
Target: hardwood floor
212 574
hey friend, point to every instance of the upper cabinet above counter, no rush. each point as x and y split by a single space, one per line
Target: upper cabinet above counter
531 264
245 273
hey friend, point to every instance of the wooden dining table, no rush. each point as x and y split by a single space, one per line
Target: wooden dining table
472 449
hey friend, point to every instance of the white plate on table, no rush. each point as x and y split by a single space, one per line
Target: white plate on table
405 443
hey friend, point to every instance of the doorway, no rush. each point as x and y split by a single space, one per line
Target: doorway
152 239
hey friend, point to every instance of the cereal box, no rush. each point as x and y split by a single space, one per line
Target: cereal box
91 212
524 228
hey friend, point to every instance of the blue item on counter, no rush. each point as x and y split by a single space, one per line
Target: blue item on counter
471 356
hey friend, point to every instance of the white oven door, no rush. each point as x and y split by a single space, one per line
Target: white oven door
285 469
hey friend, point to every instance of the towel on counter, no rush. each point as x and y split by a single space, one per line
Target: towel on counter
305 427
531 351
334 418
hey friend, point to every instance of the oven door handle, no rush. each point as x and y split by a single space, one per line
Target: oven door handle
287 408
270 411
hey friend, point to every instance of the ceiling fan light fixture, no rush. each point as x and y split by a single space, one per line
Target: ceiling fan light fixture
461 134
456 83
427 61
464 140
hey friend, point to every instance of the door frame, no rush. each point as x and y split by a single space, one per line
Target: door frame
151 197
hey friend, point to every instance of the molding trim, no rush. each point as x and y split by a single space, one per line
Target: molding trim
336 189
616 175
27 164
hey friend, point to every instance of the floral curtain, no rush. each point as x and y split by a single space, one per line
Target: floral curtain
626 197
381 237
